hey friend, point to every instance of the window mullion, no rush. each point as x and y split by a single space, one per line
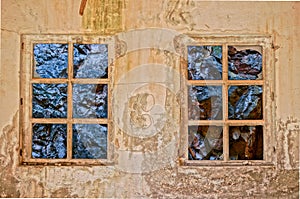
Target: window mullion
205 122
225 103
90 81
205 82
226 142
245 82
70 101
48 81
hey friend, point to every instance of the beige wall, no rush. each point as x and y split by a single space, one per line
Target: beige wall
281 20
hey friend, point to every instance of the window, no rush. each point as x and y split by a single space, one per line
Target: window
227 113
65 99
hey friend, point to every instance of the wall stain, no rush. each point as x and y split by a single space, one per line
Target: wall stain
288 143
31 187
61 193
9 145
103 16
220 182
179 43
178 12
15 180
120 47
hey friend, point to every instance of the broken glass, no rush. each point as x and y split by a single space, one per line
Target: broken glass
49 100
90 61
205 103
245 102
90 100
50 60
89 141
246 142
49 141
244 63
205 143
204 62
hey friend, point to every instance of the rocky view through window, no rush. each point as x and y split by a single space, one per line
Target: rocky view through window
206 102
50 100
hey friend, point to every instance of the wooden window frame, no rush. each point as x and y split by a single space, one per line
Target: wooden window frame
27 79
267 82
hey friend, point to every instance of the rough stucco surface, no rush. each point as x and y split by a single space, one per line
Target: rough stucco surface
128 180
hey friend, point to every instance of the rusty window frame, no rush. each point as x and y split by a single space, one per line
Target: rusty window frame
26 77
267 82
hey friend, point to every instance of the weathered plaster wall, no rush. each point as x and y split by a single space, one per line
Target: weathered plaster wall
280 19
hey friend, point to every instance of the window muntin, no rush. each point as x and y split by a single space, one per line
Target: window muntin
248 127
65 98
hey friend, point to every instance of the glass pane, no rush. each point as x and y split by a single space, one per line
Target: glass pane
205 103
50 60
89 141
204 62
90 100
246 142
90 61
245 102
49 100
49 141
205 143
244 63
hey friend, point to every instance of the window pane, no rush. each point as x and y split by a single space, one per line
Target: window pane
205 143
245 102
246 142
49 141
90 100
244 63
49 100
205 103
204 62
89 141
50 60
90 61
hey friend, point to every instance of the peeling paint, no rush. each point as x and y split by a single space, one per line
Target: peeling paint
288 142
9 146
223 182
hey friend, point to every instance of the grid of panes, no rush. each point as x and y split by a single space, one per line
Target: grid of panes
225 102
69 102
